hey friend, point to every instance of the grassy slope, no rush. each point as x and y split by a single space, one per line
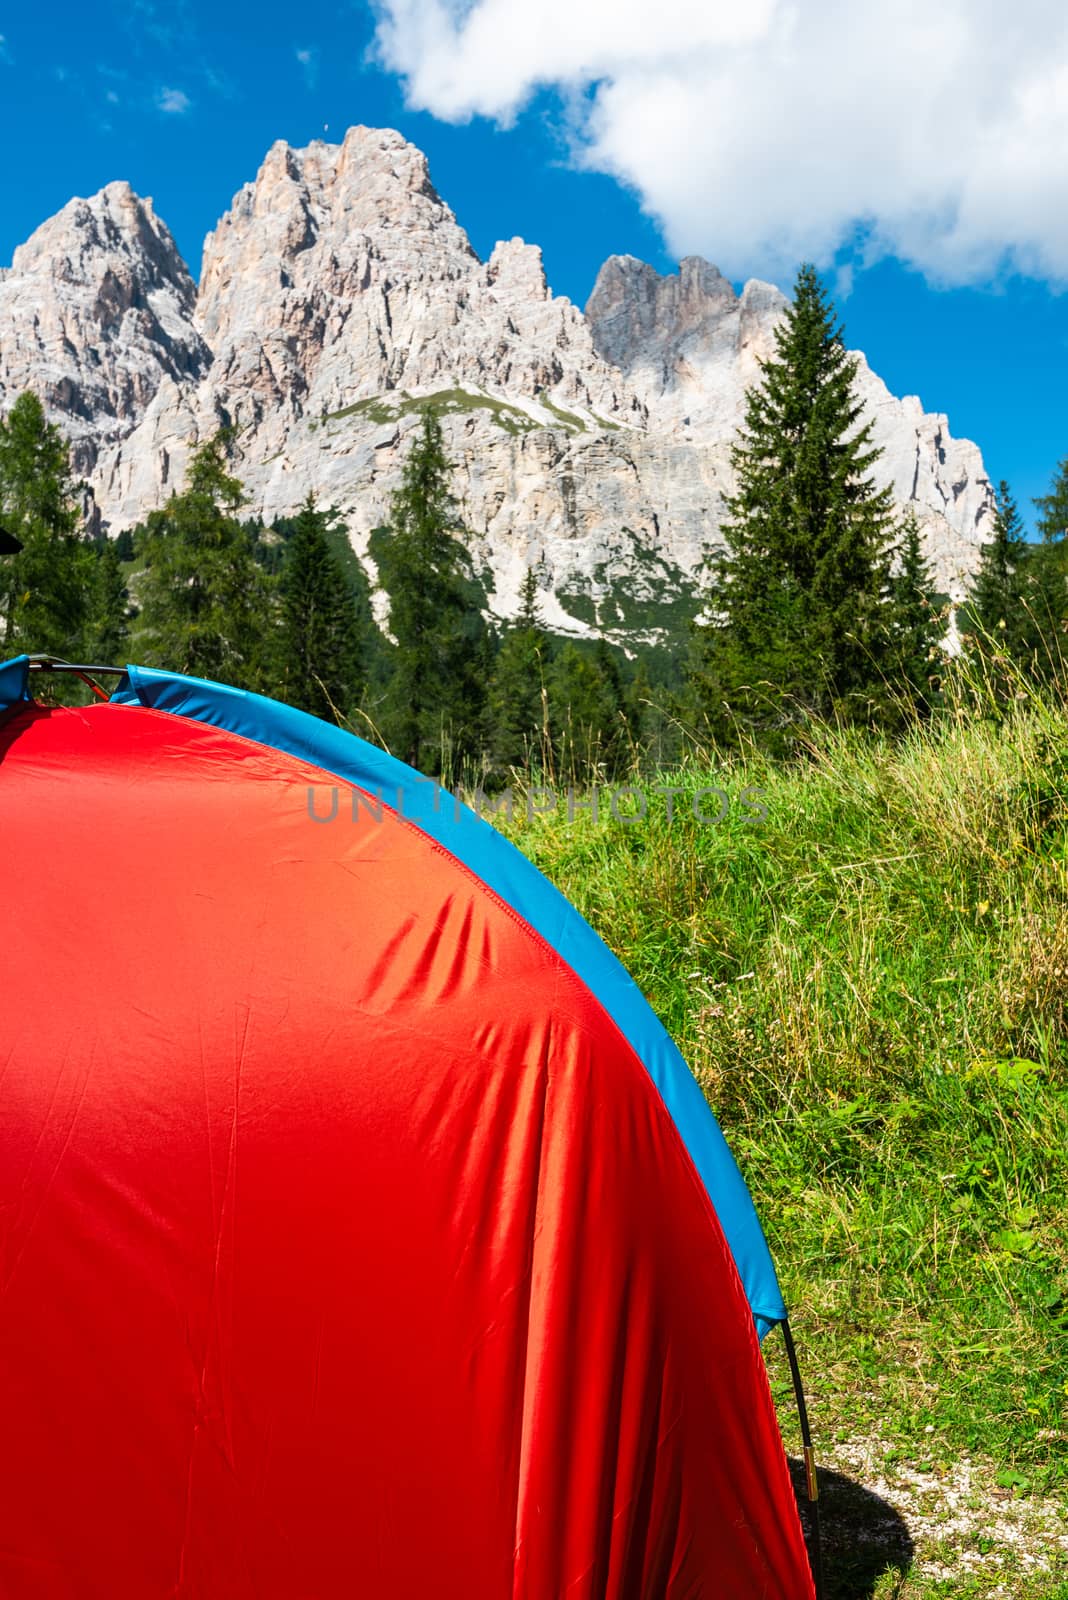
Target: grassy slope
872 986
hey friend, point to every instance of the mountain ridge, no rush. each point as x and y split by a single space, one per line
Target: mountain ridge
338 293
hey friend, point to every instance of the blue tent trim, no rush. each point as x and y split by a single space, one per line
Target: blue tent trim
508 873
14 682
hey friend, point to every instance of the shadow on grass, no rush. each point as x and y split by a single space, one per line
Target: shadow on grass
863 1537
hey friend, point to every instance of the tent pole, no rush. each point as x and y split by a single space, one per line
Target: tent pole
87 674
57 664
815 1553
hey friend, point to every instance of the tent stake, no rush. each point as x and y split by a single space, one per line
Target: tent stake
815 1553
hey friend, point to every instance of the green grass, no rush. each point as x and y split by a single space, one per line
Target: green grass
390 407
376 410
573 423
871 986
382 408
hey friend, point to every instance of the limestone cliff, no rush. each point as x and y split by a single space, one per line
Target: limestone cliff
96 310
339 291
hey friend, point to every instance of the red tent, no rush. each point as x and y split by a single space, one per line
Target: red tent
357 1235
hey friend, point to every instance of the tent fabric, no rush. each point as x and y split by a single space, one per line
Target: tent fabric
14 682
347 1243
388 782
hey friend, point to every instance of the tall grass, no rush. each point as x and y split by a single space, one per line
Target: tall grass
871 985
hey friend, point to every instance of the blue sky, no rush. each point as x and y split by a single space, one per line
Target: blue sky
184 99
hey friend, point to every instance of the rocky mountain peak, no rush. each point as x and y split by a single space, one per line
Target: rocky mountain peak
320 232
114 222
515 271
95 309
761 299
639 314
372 191
339 293
691 348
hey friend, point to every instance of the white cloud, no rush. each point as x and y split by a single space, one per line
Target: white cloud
165 25
5 53
763 133
309 65
220 83
174 101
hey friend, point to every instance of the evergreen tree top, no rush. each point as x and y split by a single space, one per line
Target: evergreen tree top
1007 548
208 473
37 488
802 461
424 502
797 594
529 616
1053 523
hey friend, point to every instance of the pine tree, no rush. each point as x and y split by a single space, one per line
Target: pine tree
109 609
529 603
638 706
615 728
913 628
1047 586
998 623
480 672
434 702
1053 523
518 707
125 547
586 714
996 610
793 600
322 626
46 591
205 603
653 714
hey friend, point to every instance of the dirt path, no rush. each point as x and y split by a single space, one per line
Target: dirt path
895 1532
